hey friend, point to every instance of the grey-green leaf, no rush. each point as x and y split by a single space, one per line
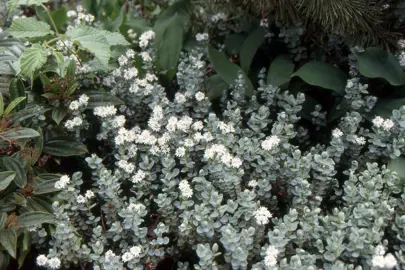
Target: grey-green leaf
12 165
6 178
397 165
227 70
250 47
378 63
35 218
28 28
323 75
8 239
32 59
280 71
97 98
46 187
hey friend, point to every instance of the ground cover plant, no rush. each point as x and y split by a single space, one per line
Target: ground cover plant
201 135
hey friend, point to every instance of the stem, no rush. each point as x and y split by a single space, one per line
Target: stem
50 18
52 40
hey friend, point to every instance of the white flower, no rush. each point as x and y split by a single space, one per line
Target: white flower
188 143
42 260
264 23
146 56
119 121
89 194
54 263
139 176
81 199
122 60
270 142
379 250
109 256
185 189
252 183
184 123
388 124
74 105
201 36
199 96
390 261
262 215
130 53
197 126
150 77
180 98
127 256
172 124
126 166
359 140
381 261
104 111
378 121
75 122
180 152
271 256
145 38
236 162
71 14
130 73
83 100
62 183
337 133
401 43
136 251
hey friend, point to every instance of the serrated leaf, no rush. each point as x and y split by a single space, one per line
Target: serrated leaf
280 71
28 28
8 239
323 75
46 187
32 59
93 40
97 98
12 165
169 41
6 178
377 63
35 218
12 4
64 148
228 71
115 38
250 47
58 114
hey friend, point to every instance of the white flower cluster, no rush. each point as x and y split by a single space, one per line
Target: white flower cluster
271 256
379 260
219 17
133 253
62 182
145 38
110 257
386 124
126 166
157 116
105 111
75 122
87 196
262 215
202 36
82 102
199 96
79 16
359 140
138 176
337 133
53 263
185 189
270 142
220 152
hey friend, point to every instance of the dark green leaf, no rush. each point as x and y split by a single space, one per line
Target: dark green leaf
13 105
97 98
323 75
250 47
24 249
46 187
35 218
64 148
4 260
47 177
12 165
32 110
233 43
58 114
215 86
181 8
6 178
8 239
397 165
20 133
3 220
280 71
384 107
169 41
16 90
59 16
377 63
227 70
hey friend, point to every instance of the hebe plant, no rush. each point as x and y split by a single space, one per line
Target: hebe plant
193 170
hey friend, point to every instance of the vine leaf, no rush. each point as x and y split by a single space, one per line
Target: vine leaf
28 28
